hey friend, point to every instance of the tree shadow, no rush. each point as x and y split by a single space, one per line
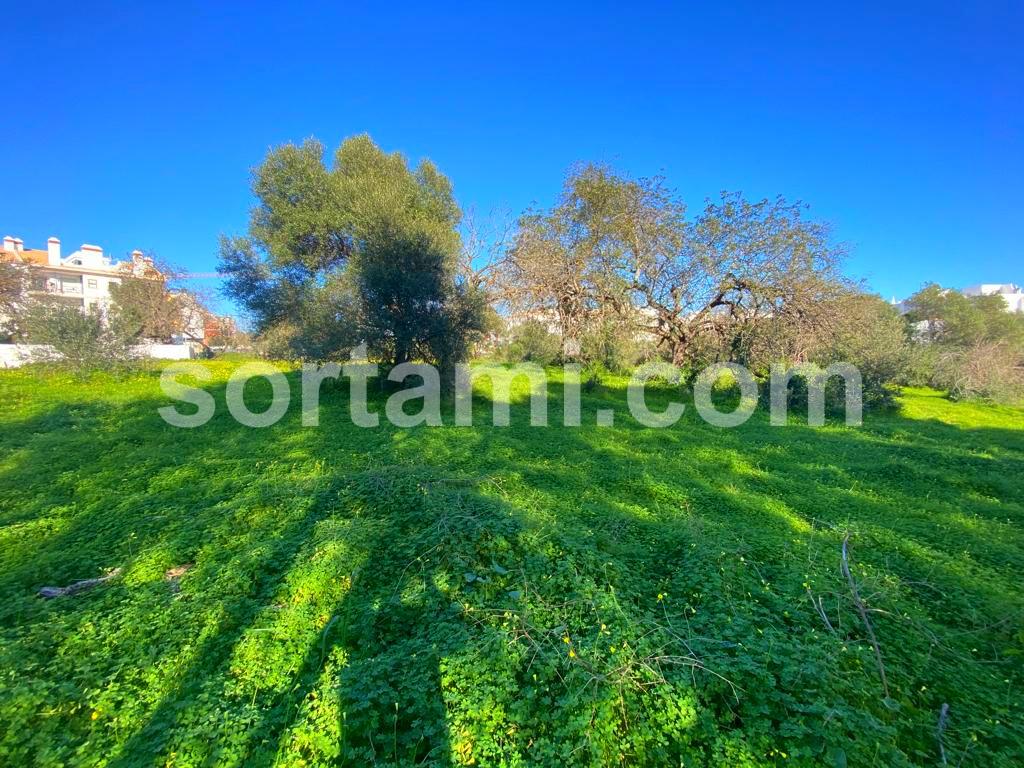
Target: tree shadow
357 594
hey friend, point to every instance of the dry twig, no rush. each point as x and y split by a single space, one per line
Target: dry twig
863 614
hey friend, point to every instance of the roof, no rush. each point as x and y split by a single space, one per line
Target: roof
27 256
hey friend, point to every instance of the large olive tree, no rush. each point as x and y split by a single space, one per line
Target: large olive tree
689 283
362 250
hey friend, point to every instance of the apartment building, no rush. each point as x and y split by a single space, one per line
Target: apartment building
1011 293
81 279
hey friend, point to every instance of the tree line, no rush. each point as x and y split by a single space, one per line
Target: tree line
364 250
367 249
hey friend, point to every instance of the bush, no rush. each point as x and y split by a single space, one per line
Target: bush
922 361
873 338
863 330
533 343
987 370
76 340
614 345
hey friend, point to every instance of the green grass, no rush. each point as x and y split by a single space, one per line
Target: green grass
513 596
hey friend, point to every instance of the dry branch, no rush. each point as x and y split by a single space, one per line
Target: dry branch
820 608
48 593
863 614
943 716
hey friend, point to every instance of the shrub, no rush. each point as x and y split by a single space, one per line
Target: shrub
987 370
922 360
76 340
873 338
532 342
863 330
614 345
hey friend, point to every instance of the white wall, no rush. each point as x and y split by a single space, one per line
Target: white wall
13 355
100 294
16 355
166 351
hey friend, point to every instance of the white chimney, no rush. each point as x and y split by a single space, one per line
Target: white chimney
140 263
53 252
9 244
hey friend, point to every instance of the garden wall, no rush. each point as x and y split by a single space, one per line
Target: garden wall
15 355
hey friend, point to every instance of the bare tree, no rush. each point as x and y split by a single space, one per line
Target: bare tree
613 241
149 303
485 249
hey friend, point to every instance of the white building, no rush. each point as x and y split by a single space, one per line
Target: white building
82 278
1011 293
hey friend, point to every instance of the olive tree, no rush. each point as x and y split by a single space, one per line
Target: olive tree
76 339
688 283
362 250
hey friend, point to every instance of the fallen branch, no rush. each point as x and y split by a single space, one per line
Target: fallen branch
863 614
48 593
943 715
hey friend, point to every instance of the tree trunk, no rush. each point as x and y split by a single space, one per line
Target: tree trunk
678 352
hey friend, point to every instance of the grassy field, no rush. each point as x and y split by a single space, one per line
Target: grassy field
516 596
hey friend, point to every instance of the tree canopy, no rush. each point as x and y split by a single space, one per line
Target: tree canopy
361 251
952 318
612 240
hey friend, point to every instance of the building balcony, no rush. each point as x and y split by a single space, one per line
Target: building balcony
56 290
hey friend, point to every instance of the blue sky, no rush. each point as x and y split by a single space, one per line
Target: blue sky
136 126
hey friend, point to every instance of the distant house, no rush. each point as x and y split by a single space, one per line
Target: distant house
81 279
84 277
1011 293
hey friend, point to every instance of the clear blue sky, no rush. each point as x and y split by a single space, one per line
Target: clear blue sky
136 126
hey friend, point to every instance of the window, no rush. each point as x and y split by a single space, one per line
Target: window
92 284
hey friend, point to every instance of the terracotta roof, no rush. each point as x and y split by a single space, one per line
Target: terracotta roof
27 256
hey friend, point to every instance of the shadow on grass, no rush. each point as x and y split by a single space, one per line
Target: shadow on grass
430 595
